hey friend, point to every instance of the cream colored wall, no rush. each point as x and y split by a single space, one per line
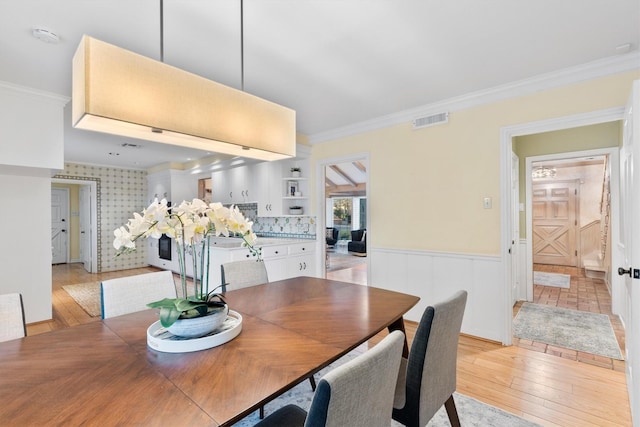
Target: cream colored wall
602 135
426 187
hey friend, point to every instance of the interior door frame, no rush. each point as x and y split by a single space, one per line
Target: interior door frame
85 211
321 201
94 215
506 215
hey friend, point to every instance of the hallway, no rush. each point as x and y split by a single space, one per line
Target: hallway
584 294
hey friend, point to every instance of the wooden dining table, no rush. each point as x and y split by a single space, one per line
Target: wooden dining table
103 373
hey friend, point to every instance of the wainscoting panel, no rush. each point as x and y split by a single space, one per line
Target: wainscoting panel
434 276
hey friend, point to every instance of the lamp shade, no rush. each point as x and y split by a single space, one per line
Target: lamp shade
120 92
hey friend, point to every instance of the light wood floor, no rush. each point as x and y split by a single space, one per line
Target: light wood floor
543 388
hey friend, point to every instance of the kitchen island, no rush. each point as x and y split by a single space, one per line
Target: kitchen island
283 258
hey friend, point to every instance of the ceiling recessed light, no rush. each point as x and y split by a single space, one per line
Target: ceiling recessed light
45 35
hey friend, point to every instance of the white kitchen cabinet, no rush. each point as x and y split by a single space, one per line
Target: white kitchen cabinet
173 185
301 260
159 186
282 260
267 179
237 179
220 191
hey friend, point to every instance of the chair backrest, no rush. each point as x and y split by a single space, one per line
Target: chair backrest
242 274
12 323
431 368
129 294
359 235
331 235
360 392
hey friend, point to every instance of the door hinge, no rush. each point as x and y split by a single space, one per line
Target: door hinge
576 253
575 191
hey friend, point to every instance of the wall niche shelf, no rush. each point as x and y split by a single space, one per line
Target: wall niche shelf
295 190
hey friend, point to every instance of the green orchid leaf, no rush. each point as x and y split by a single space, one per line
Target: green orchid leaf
184 305
168 316
167 302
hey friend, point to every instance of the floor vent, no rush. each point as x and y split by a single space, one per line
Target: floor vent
436 119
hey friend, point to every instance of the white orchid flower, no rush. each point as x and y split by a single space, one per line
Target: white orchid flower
123 239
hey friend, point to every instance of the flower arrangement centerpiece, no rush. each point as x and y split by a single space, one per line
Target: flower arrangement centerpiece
190 224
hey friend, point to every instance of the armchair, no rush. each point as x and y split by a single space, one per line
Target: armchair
331 236
358 244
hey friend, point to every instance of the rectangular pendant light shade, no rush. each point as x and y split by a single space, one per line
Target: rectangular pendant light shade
120 92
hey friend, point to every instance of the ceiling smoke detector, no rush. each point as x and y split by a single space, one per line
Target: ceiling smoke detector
45 35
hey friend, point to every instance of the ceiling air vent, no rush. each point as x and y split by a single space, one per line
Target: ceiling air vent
436 119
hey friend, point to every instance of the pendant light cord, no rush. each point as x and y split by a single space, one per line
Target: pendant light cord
161 30
241 45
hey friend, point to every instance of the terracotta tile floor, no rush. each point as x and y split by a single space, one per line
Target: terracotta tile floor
584 294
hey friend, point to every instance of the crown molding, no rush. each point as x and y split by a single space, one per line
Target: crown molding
39 94
573 75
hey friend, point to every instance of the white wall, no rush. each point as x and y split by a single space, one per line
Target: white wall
32 128
31 150
25 252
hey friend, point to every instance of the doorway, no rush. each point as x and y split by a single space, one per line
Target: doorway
568 197
508 136
343 215
82 223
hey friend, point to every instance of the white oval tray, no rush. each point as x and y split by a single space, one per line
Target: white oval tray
160 339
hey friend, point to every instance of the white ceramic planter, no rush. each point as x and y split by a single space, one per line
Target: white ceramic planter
199 326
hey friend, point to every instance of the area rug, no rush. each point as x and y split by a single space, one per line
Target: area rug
472 412
577 330
551 279
87 295
339 261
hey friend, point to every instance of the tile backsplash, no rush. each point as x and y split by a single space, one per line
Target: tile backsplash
289 227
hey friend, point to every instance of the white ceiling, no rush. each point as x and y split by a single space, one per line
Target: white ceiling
336 62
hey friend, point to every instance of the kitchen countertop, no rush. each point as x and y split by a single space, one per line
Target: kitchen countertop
236 242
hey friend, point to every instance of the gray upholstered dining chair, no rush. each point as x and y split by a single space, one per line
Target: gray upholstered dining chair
132 293
356 394
427 379
12 325
242 274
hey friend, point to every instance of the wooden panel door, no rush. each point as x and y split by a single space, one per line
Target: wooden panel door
555 226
